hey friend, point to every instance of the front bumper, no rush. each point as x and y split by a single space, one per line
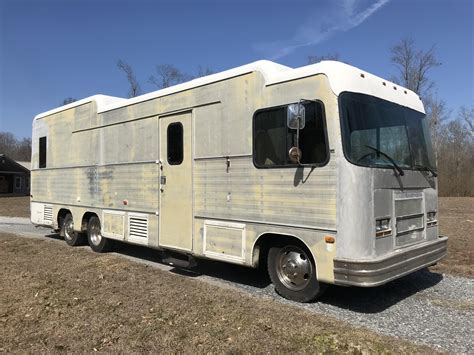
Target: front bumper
369 273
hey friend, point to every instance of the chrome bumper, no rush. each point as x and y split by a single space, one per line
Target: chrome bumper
369 273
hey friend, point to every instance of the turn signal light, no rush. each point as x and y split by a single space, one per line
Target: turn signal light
329 239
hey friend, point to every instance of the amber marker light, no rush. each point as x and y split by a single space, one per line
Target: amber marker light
329 239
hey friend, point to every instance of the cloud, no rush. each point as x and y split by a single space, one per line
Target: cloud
337 17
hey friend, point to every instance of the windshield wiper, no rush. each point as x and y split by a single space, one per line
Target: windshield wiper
426 168
395 165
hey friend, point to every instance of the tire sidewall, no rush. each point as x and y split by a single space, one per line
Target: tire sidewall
75 238
312 290
104 243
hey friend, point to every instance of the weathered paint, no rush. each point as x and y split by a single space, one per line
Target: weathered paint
217 204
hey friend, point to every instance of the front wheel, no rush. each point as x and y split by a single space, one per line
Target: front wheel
97 242
293 273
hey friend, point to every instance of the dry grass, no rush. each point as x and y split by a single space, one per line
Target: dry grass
56 299
456 219
15 206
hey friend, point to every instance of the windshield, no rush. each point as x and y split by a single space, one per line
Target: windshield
397 131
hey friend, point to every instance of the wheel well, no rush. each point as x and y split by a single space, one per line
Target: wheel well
61 214
266 240
85 220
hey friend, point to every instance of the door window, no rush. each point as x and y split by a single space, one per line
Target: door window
175 143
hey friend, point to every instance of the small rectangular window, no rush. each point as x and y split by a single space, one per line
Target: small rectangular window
273 139
175 143
17 182
42 152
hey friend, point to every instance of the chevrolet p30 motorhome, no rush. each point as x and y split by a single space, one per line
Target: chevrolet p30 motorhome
324 173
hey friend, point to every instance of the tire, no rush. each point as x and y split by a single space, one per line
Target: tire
97 242
72 237
293 272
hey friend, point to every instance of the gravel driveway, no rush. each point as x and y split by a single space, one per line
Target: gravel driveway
426 308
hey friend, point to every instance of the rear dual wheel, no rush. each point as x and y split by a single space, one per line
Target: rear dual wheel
293 272
97 242
72 237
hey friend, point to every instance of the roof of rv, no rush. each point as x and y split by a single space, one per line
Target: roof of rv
342 77
100 100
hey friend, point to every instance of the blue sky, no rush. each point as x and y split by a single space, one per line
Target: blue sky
54 49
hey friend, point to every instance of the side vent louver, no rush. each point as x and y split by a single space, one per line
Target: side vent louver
48 214
138 226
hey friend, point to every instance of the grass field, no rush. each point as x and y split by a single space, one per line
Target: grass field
15 206
58 299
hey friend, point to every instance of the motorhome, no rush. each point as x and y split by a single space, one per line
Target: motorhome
325 174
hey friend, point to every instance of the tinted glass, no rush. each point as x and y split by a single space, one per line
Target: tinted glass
42 152
175 143
273 139
398 131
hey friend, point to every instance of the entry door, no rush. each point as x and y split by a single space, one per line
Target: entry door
176 196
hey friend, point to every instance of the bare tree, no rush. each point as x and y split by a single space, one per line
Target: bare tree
68 100
135 89
24 150
167 75
14 148
7 143
413 65
456 160
438 115
467 115
319 58
204 71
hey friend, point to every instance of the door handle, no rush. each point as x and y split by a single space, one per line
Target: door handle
162 182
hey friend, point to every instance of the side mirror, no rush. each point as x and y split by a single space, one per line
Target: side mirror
295 116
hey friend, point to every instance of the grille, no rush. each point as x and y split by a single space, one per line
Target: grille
48 214
138 226
409 218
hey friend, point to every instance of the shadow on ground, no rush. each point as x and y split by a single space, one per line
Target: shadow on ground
355 299
377 299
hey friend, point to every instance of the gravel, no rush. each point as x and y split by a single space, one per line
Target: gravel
427 308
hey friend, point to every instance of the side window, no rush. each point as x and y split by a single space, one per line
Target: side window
175 143
17 182
42 152
273 139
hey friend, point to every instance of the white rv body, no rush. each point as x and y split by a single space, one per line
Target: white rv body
209 194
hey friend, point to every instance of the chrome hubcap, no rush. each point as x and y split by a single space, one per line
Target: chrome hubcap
69 230
95 235
294 268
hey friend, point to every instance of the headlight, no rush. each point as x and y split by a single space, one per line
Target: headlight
382 227
431 219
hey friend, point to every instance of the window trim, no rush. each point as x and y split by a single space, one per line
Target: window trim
177 123
326 140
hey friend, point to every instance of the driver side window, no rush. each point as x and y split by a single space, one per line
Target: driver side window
272 139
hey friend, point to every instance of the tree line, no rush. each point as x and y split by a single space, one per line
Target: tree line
17 149
452 132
